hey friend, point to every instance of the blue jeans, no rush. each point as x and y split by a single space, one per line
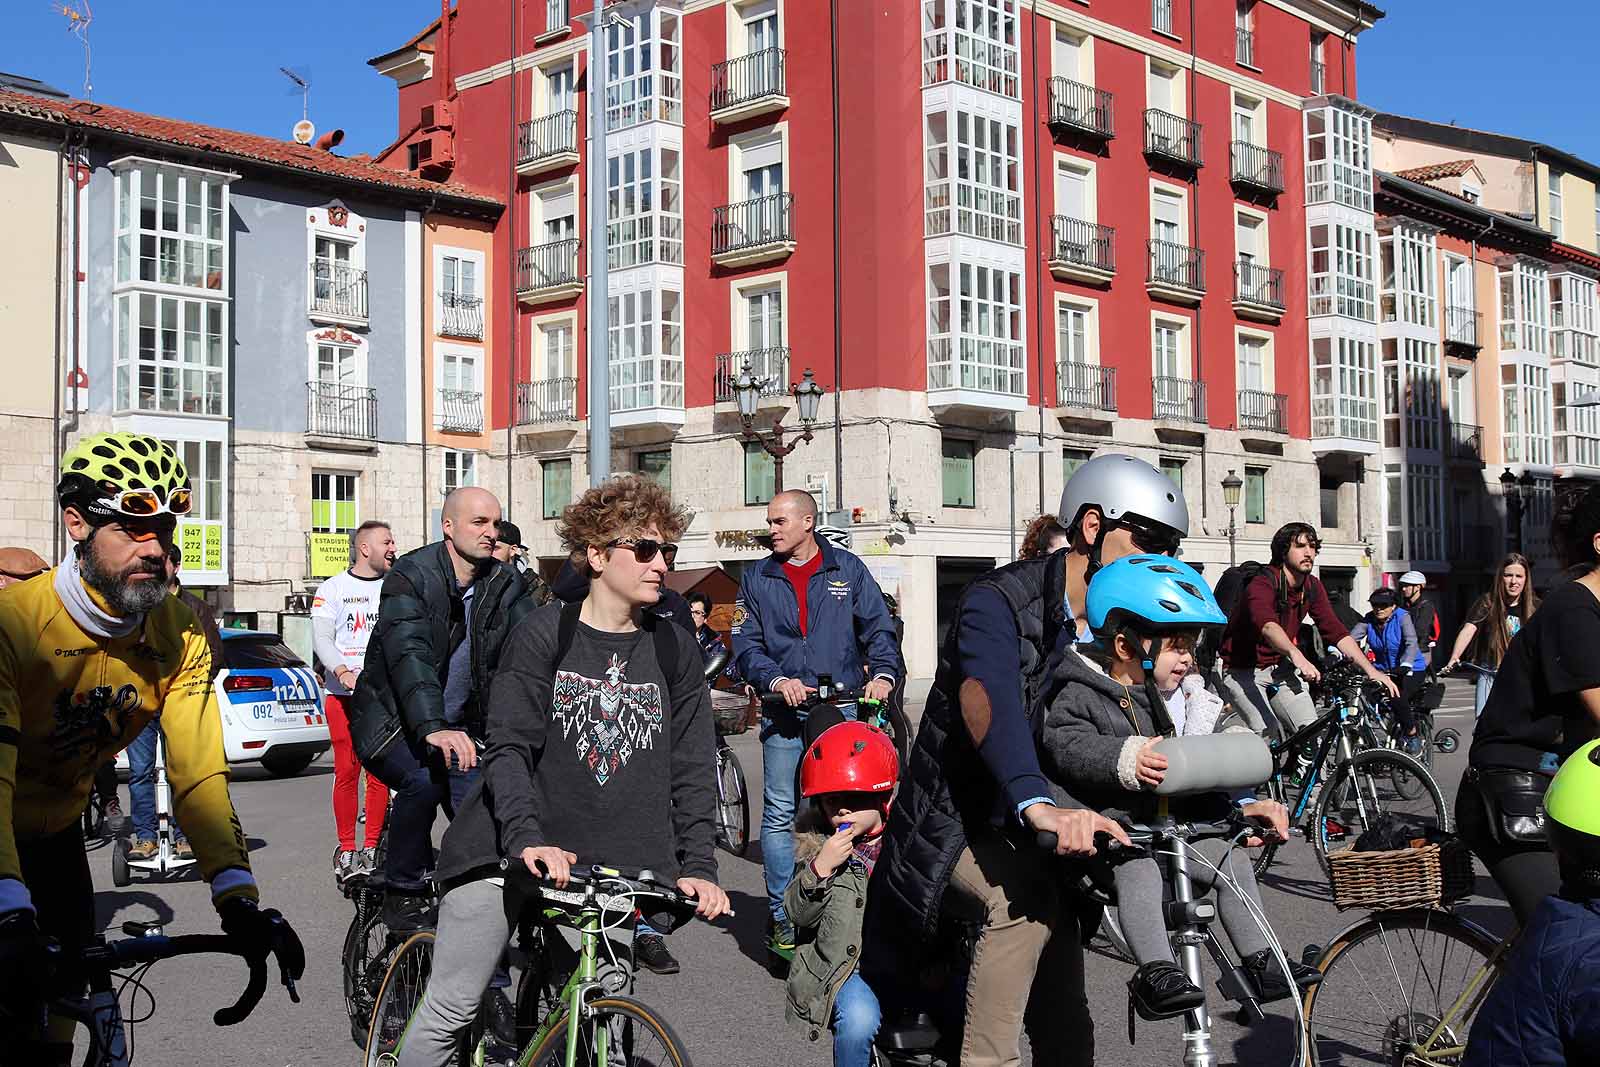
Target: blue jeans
418 785
142 783
855 1023
782 744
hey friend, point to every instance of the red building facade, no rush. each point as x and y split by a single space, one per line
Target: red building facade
984 225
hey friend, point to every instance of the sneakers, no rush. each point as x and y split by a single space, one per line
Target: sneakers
143 848
501 1017
404 914
344 863
116 822
182 850
650 952
1160 990
1412 746
366 861
780 944
1267 977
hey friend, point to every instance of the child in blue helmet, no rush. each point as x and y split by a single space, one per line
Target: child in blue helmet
1107 704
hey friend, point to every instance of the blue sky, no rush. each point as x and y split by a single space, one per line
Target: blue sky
1521 69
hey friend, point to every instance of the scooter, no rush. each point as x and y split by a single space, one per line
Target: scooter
166 860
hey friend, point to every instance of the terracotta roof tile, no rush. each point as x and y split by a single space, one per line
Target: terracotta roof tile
230 144
1453 168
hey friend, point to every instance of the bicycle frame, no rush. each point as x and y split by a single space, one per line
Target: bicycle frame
1330 724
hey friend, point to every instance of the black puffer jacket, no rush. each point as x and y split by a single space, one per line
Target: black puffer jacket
400 691
948 791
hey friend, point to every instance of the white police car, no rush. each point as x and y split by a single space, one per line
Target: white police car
271 704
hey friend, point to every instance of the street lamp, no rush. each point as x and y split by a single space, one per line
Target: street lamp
1232 487
807 396
1511 489
1027 448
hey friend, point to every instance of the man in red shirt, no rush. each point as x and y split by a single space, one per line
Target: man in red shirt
1258 647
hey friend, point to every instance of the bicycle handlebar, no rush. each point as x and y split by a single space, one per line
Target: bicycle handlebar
112 955
647 884
835 696
1142 834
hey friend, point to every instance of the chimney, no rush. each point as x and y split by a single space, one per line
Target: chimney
441 52
328 141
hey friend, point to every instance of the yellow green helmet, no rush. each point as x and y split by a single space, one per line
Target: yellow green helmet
111 476
1572 817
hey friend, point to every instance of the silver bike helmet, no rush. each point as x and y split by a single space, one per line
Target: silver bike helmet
1124 488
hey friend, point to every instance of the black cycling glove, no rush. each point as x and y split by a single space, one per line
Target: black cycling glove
263 933
24 957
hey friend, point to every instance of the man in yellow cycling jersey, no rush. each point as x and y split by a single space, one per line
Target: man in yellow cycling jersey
90 653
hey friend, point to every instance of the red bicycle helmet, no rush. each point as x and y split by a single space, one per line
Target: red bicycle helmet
851 757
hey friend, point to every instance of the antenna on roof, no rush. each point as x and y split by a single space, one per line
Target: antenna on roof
78 17
301 76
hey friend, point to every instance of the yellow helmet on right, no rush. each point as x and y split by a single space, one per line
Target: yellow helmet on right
1572 818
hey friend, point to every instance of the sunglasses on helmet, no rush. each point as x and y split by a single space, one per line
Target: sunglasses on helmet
645 548
145 504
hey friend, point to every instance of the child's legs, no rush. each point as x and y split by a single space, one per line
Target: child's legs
855 1023
1139 911
1241 926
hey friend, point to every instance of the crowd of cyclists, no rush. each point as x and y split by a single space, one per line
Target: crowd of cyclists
567 725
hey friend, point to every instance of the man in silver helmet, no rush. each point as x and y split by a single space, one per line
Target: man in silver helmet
974 796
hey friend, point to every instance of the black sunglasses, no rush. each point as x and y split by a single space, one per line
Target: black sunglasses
1160 540
645 548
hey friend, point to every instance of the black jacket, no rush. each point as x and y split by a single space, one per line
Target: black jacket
399 695
948 792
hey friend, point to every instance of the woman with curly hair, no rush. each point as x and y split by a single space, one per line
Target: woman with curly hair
1045 535
614 765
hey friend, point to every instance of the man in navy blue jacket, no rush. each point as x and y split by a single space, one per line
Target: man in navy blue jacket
807 610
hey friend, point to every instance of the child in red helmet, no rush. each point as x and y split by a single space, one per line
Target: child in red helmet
849 773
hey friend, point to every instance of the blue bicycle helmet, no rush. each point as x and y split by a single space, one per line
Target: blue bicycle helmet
1155 594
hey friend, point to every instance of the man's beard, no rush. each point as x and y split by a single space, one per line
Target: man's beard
123 595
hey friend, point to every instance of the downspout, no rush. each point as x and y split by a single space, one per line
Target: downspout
424 297
838 267
1196 347
56 442
76 313
1039 216
511 226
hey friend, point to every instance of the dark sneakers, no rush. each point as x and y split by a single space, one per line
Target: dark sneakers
1160 990
404 914
500 1017
1266 977
650 952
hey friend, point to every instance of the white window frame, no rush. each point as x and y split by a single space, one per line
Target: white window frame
1091 185
1269 372
1084 42
1338 155
338 338
543 102
953 203
333 477
132 174
1553 200
645 349
444 353
1341 287
463 462
740 291
749 141
1179 193
479 261
538 370
1256 107
961 53
961 357
637 236
1185 358
127 339
635 93
352 231
540 196
740 15
1179 102
1089 308
1259 220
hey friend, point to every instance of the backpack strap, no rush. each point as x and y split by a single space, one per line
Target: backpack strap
666 642
566 630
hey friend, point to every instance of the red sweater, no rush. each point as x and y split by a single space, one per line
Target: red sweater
1243 647
799 575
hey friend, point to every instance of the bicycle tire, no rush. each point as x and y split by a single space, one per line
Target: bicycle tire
403 982
621 1018
1347 1022
364 965
733 803
898 726
1354 797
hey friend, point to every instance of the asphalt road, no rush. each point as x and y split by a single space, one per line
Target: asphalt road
724 1004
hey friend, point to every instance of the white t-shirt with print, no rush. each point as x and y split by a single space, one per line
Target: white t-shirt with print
344 611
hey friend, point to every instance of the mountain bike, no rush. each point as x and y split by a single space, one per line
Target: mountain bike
100 1012
1361 785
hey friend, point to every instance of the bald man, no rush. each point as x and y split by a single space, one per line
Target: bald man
417 714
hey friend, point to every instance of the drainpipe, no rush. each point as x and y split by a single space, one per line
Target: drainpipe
75 314
56 442
425 347
838 269
1196 345
511 227
1039 231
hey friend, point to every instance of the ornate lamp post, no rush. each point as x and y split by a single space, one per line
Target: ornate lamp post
1232 487
807 396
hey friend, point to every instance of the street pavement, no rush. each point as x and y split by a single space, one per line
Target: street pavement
724 1004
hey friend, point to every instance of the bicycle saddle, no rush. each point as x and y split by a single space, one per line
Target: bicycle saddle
1205 763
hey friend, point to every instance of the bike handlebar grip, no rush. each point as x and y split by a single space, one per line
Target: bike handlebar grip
1046 839
253 992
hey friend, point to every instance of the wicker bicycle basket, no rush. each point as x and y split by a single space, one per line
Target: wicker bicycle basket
730 712
1402 878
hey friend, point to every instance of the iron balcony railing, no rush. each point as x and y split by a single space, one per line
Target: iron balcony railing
1244 46
459 411
765 220
1256 166
334 409
548 265
550 400
1171 137
1263 412
1319 72
1080 107
1466 442
1086 244
1086 385
338 289
1462 326
749 77
462 315
552 135
1179 400
769 365
1255 284
1161 15
1175 264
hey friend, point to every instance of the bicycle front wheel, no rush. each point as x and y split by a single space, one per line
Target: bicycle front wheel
1400 984
363 957
733 803
398 997
1363 790
615 1032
